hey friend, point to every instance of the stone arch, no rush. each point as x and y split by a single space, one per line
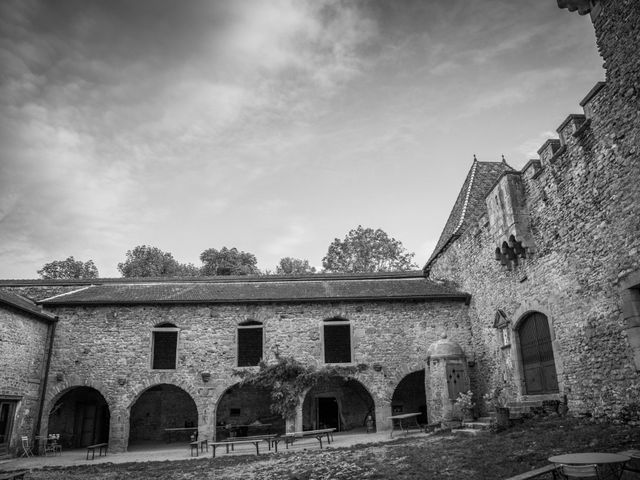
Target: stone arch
522 314
241 410
343 403
64 386
79 412
158 411
410 395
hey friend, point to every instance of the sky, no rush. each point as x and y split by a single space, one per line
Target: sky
271 126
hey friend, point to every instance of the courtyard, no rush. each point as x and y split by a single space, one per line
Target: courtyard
441 455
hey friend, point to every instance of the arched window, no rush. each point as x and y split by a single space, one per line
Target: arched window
536 353
337 341
164 346
250 342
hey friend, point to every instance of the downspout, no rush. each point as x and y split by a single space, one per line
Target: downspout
45 377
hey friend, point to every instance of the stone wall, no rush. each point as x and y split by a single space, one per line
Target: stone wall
23 341
582 199
109 348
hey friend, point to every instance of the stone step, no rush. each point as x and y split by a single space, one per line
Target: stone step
467 431
477 425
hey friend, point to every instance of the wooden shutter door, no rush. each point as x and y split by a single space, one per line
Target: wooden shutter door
537 355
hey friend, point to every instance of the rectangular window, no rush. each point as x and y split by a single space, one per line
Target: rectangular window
165 347
249 345
337 342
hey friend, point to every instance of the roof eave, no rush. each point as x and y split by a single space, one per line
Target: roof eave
441 296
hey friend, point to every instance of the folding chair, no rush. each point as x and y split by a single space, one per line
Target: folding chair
27 449
579 471
53 446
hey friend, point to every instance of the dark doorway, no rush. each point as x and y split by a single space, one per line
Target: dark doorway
536 353
410 396
7 410
163 413
328 413
80 417
338 402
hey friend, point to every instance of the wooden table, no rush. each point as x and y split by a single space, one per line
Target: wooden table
404 422
614 462
173 433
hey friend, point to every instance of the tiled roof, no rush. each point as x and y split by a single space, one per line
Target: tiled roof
398 286
470 204
25 305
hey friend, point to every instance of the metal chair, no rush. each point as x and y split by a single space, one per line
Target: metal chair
53 446
634 464
579 471
27 449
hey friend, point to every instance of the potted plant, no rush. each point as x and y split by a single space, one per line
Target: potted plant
498 400
466 405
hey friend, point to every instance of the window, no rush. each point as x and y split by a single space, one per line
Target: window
337 341
164 346
249 344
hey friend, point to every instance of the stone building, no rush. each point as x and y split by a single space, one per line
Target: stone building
26 332
133 360
534 286
550 254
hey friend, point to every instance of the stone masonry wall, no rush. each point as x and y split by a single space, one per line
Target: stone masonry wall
23 341
583 204
109 348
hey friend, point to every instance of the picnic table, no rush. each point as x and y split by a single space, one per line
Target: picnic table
405 422
289 438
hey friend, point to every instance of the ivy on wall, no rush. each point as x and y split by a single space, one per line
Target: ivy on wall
287 379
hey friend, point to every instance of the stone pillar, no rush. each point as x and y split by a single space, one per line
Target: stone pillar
294 424
119 429
446 376
382 413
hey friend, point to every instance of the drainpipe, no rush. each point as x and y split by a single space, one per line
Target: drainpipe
45 376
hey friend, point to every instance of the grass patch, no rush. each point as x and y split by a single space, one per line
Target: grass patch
439 456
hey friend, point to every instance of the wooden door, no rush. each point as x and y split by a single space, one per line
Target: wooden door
536 353
6 424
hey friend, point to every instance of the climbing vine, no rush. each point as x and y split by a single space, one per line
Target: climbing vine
287 379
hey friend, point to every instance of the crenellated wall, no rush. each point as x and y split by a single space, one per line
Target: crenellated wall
576 212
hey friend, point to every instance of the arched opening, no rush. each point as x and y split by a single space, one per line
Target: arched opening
245 410
81 417
536 355
163 413
410 397
340 403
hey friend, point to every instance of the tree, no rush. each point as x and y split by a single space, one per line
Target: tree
69 268
148 261
294 266
367 250
228 262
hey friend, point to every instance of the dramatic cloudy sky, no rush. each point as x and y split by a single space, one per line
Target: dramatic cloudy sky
272 126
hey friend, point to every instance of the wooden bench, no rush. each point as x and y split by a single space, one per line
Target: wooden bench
13 475
537 472
92 449
230 443
289 438
199 446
